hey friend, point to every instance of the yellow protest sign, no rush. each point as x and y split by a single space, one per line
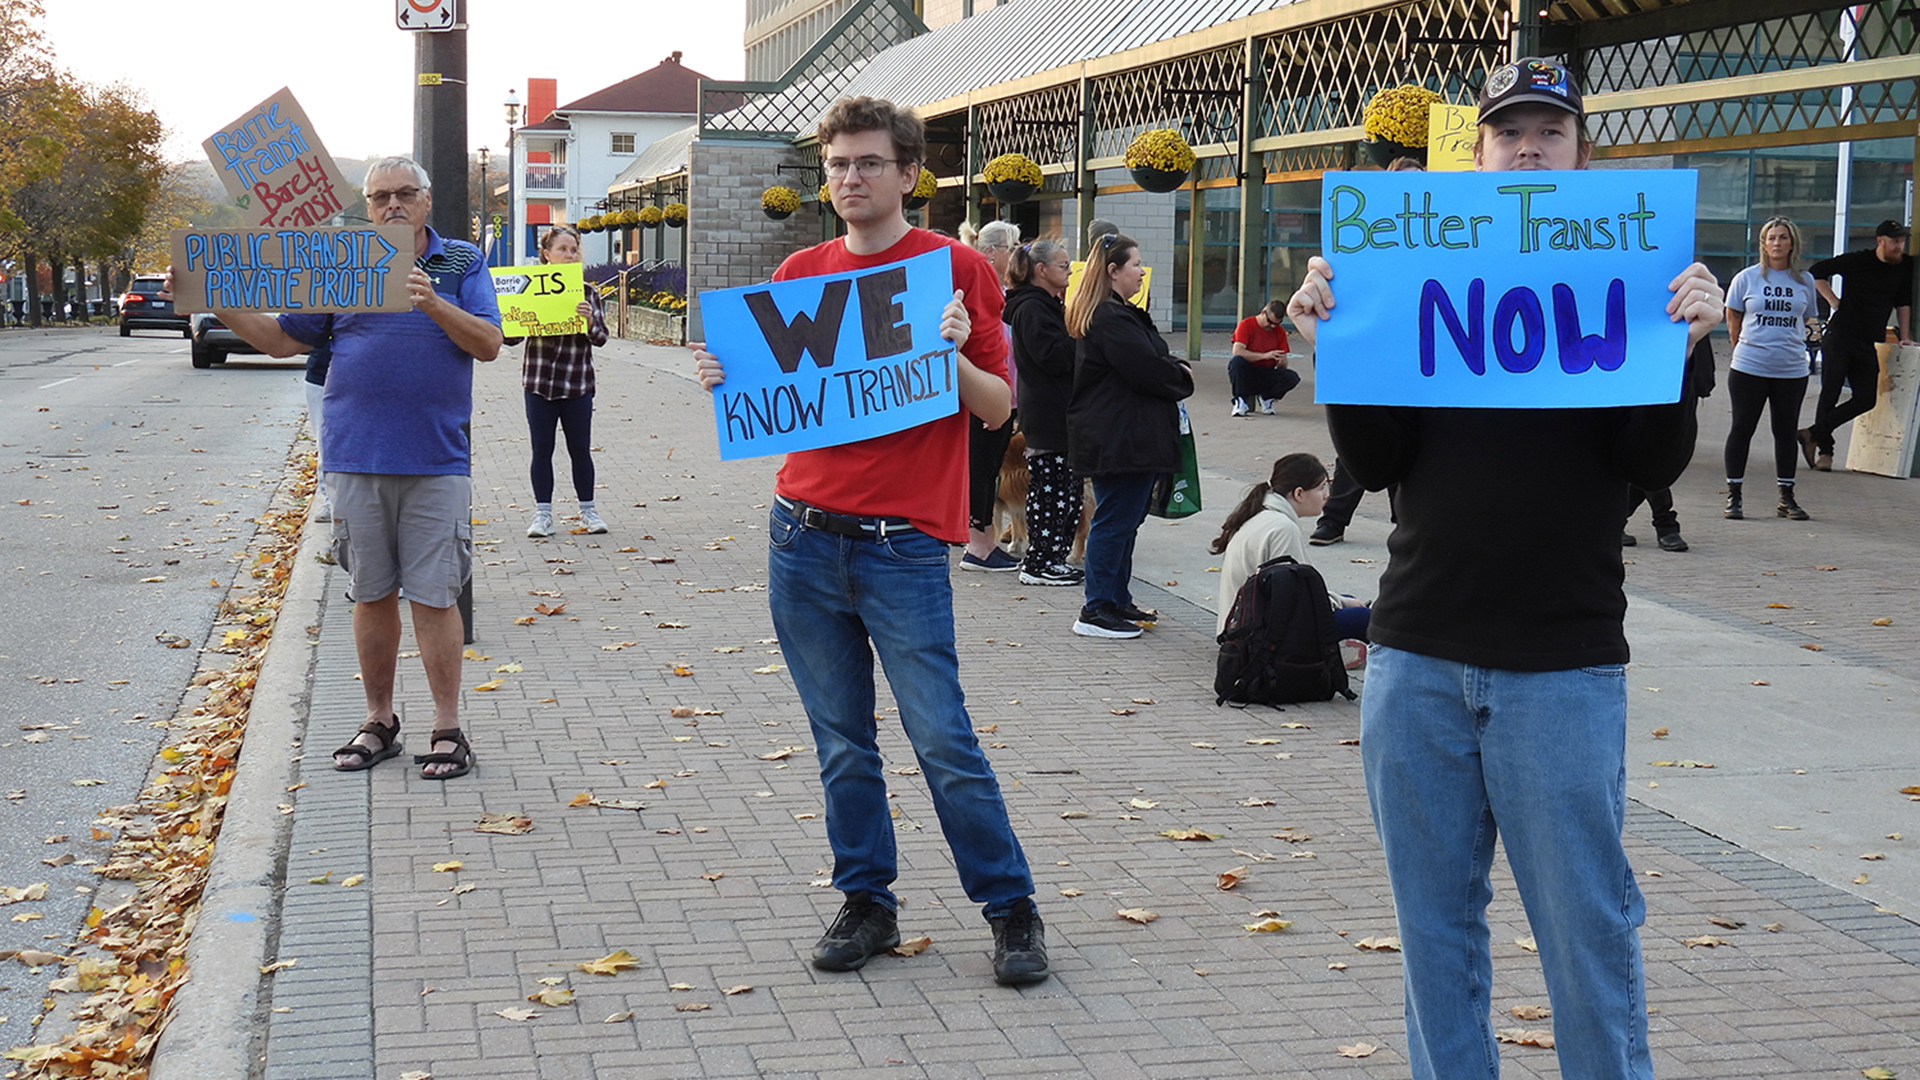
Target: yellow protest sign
539 301
1138 299
1451 130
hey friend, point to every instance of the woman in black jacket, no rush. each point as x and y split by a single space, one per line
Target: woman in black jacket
1043 356
1122 425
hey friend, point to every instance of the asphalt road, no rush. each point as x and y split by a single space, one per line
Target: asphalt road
118 463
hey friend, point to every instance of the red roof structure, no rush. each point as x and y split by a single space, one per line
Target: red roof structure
667 87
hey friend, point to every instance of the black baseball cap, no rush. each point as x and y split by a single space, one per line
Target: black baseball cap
1891 227
1530 80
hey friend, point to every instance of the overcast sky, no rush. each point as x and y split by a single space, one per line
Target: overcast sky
201 63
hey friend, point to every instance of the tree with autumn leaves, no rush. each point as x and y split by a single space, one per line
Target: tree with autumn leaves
80 166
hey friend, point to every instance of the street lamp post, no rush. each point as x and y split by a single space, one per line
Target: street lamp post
513 121
480 234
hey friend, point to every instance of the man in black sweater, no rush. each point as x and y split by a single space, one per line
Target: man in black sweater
1495 700
1878 282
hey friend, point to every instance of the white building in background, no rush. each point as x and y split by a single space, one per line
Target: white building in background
566 157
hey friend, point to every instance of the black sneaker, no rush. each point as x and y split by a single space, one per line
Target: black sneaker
1672 542
1139 615
1019 946
1327 534
1057 574
1104 623
863 929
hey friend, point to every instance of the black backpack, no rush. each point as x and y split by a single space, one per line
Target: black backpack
1279 646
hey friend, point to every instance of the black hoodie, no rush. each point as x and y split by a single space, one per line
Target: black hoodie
1043 356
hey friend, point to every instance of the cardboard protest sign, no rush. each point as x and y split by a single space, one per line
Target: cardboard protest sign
1504 290
338 269
1451 130
822 361
539 301
275 167
1139 299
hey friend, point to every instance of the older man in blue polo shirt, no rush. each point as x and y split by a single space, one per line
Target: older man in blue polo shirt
398 397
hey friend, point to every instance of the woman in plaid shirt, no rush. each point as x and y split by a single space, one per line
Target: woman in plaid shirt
558 376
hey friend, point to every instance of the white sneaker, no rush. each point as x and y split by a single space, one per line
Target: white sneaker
591 519
1266 405
1239 407
542 524
322 510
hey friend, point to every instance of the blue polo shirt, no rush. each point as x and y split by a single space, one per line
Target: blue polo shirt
399 390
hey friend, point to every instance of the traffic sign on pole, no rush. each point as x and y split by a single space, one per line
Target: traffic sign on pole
433 16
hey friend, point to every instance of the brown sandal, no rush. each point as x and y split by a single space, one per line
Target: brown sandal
389 736
461 757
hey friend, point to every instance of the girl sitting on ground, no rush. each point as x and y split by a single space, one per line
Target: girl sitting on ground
1266 525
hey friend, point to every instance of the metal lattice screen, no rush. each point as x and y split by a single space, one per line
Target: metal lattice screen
1044 125
1321 77
1198 96
785 107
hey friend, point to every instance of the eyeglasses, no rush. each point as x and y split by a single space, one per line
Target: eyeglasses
405 194
1065 267
868 167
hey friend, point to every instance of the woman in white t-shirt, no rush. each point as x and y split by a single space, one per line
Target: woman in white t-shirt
1768 305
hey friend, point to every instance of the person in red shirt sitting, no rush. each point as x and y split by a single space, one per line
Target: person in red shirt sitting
859 564
1259 368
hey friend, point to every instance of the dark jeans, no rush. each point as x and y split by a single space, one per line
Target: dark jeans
576 416
1250 379
1782 398
1345 499
1120 505
1665 521
1852 362
985 450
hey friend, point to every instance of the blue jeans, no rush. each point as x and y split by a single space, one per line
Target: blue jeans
1120 505
1454 756
836 601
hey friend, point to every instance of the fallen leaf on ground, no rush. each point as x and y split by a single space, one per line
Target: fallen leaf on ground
619 1017
1229 878
508 669
743 988
1142 804
909 947
1707 940
1660 733
553 610
1336 966
1123 712
1814 648
692 1006
618 960
414 1075
1874 856
352 881
1189 834
1774 927
1267 926
525 620
1137 914
1530 1012
1263 742
277 965
462 890
1878 1072
1358 1050
1722 921
517 1014
1861 880
1527 943
11 895
1378 944
504 824
491 684
552 996
1525 1037
1070 891
618 645
1684 763
474 654
1073 815
1883 622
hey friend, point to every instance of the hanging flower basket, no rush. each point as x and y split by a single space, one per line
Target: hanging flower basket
1159 159
779 203
588 224
629 218
675 214
826 202
923 190
1013 178
650 216
1396 123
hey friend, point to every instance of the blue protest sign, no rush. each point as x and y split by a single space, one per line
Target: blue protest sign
822 361
1539 290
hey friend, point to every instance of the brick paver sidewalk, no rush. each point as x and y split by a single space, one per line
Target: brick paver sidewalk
717 883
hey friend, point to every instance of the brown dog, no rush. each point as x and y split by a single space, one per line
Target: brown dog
1010 504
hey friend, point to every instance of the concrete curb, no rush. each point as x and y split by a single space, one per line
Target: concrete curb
218 1021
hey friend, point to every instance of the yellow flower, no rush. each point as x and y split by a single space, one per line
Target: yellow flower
1399 115
925 187
824 196
1014 167
629 217
780 200
675 213
1160 148
650 215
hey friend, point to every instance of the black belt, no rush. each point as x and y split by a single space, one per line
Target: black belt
859 528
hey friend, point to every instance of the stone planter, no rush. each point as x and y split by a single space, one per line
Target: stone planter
649 324
1158 181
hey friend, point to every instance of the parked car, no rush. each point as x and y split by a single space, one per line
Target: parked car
213 342
142 308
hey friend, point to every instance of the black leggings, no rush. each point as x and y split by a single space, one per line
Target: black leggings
1781 398
576 416
986 449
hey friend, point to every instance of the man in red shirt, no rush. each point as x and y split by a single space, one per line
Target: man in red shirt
858 564
1259 365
